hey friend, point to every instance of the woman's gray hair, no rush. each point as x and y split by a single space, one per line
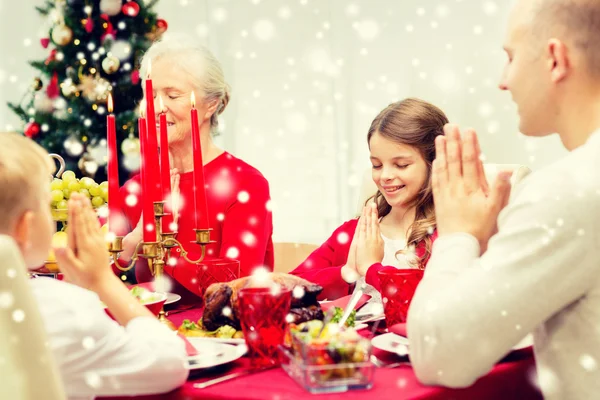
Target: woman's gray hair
199 62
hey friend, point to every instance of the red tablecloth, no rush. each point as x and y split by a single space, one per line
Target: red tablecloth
510 379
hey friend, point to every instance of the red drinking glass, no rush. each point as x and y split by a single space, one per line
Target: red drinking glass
397 290
263 313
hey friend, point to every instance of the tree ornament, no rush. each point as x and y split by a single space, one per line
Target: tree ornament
161 26
37 84
131 8
73 146
61 34
110 64
87 165
135 77
110 7
89 24
130 146
42 103
68 87
32 129
52 90
94 88
45 42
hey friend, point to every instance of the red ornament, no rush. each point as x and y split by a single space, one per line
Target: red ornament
45 42
109 30
131 9
135 77
52 91
51 57
32 129
161 25
89 25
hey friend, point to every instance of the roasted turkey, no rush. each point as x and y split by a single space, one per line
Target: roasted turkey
305 306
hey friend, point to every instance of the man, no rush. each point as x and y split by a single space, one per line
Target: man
540 272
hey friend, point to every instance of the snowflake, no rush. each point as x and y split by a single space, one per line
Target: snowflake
88 342
490 8
298 292
18 315
232 253
485 109
367 30
352 9
264 29
227 311
11 273
6 300
202 30
249 239
343 238
478 29
588 362
220 15
243 196
93 379
284 13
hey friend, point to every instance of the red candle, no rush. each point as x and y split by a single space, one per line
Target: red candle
147 202
200 207
165 167
152 149
114 206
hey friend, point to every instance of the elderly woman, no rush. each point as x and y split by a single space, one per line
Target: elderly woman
237 193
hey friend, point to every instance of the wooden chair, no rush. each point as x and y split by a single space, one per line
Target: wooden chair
289 255
27 369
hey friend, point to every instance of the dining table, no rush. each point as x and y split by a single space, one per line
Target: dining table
512 378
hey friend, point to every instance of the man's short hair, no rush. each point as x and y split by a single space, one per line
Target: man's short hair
24 167
575 21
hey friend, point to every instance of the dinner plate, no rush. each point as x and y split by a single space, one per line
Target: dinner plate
211 354
172 298
393 343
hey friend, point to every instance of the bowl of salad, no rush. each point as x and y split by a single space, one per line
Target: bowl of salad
324 357
154 301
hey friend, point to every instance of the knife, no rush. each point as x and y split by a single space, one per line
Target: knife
350 306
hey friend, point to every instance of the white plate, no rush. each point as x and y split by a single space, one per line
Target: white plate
221 340
172 298
393 343
211 354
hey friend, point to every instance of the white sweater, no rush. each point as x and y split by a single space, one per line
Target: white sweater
98 357
539 274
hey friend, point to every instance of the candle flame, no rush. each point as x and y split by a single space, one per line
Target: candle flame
193 100
143 108
149 69
110 103
162 105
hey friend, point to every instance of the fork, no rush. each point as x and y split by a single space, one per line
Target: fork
382 364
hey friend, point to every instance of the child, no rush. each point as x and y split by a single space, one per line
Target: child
401 141
96 355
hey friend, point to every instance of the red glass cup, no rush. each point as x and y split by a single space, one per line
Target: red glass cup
263 313
397 290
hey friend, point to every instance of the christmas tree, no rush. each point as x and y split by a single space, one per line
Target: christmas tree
94 48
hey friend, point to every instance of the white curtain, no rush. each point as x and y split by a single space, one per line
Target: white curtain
308 77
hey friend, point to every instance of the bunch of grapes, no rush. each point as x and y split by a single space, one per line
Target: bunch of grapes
67 184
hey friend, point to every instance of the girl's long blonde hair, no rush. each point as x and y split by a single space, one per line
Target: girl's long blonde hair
415 123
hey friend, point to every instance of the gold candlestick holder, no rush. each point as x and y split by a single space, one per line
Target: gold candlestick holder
158 253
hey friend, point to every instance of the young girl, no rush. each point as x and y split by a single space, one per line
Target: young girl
397 226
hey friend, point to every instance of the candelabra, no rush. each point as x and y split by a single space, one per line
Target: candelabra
157 252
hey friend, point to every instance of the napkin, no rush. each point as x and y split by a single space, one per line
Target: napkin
342 302
189 348
398 329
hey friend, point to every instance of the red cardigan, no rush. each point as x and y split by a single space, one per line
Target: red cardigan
324 265
239 215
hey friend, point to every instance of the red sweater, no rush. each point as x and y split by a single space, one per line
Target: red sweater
239 215
324 265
